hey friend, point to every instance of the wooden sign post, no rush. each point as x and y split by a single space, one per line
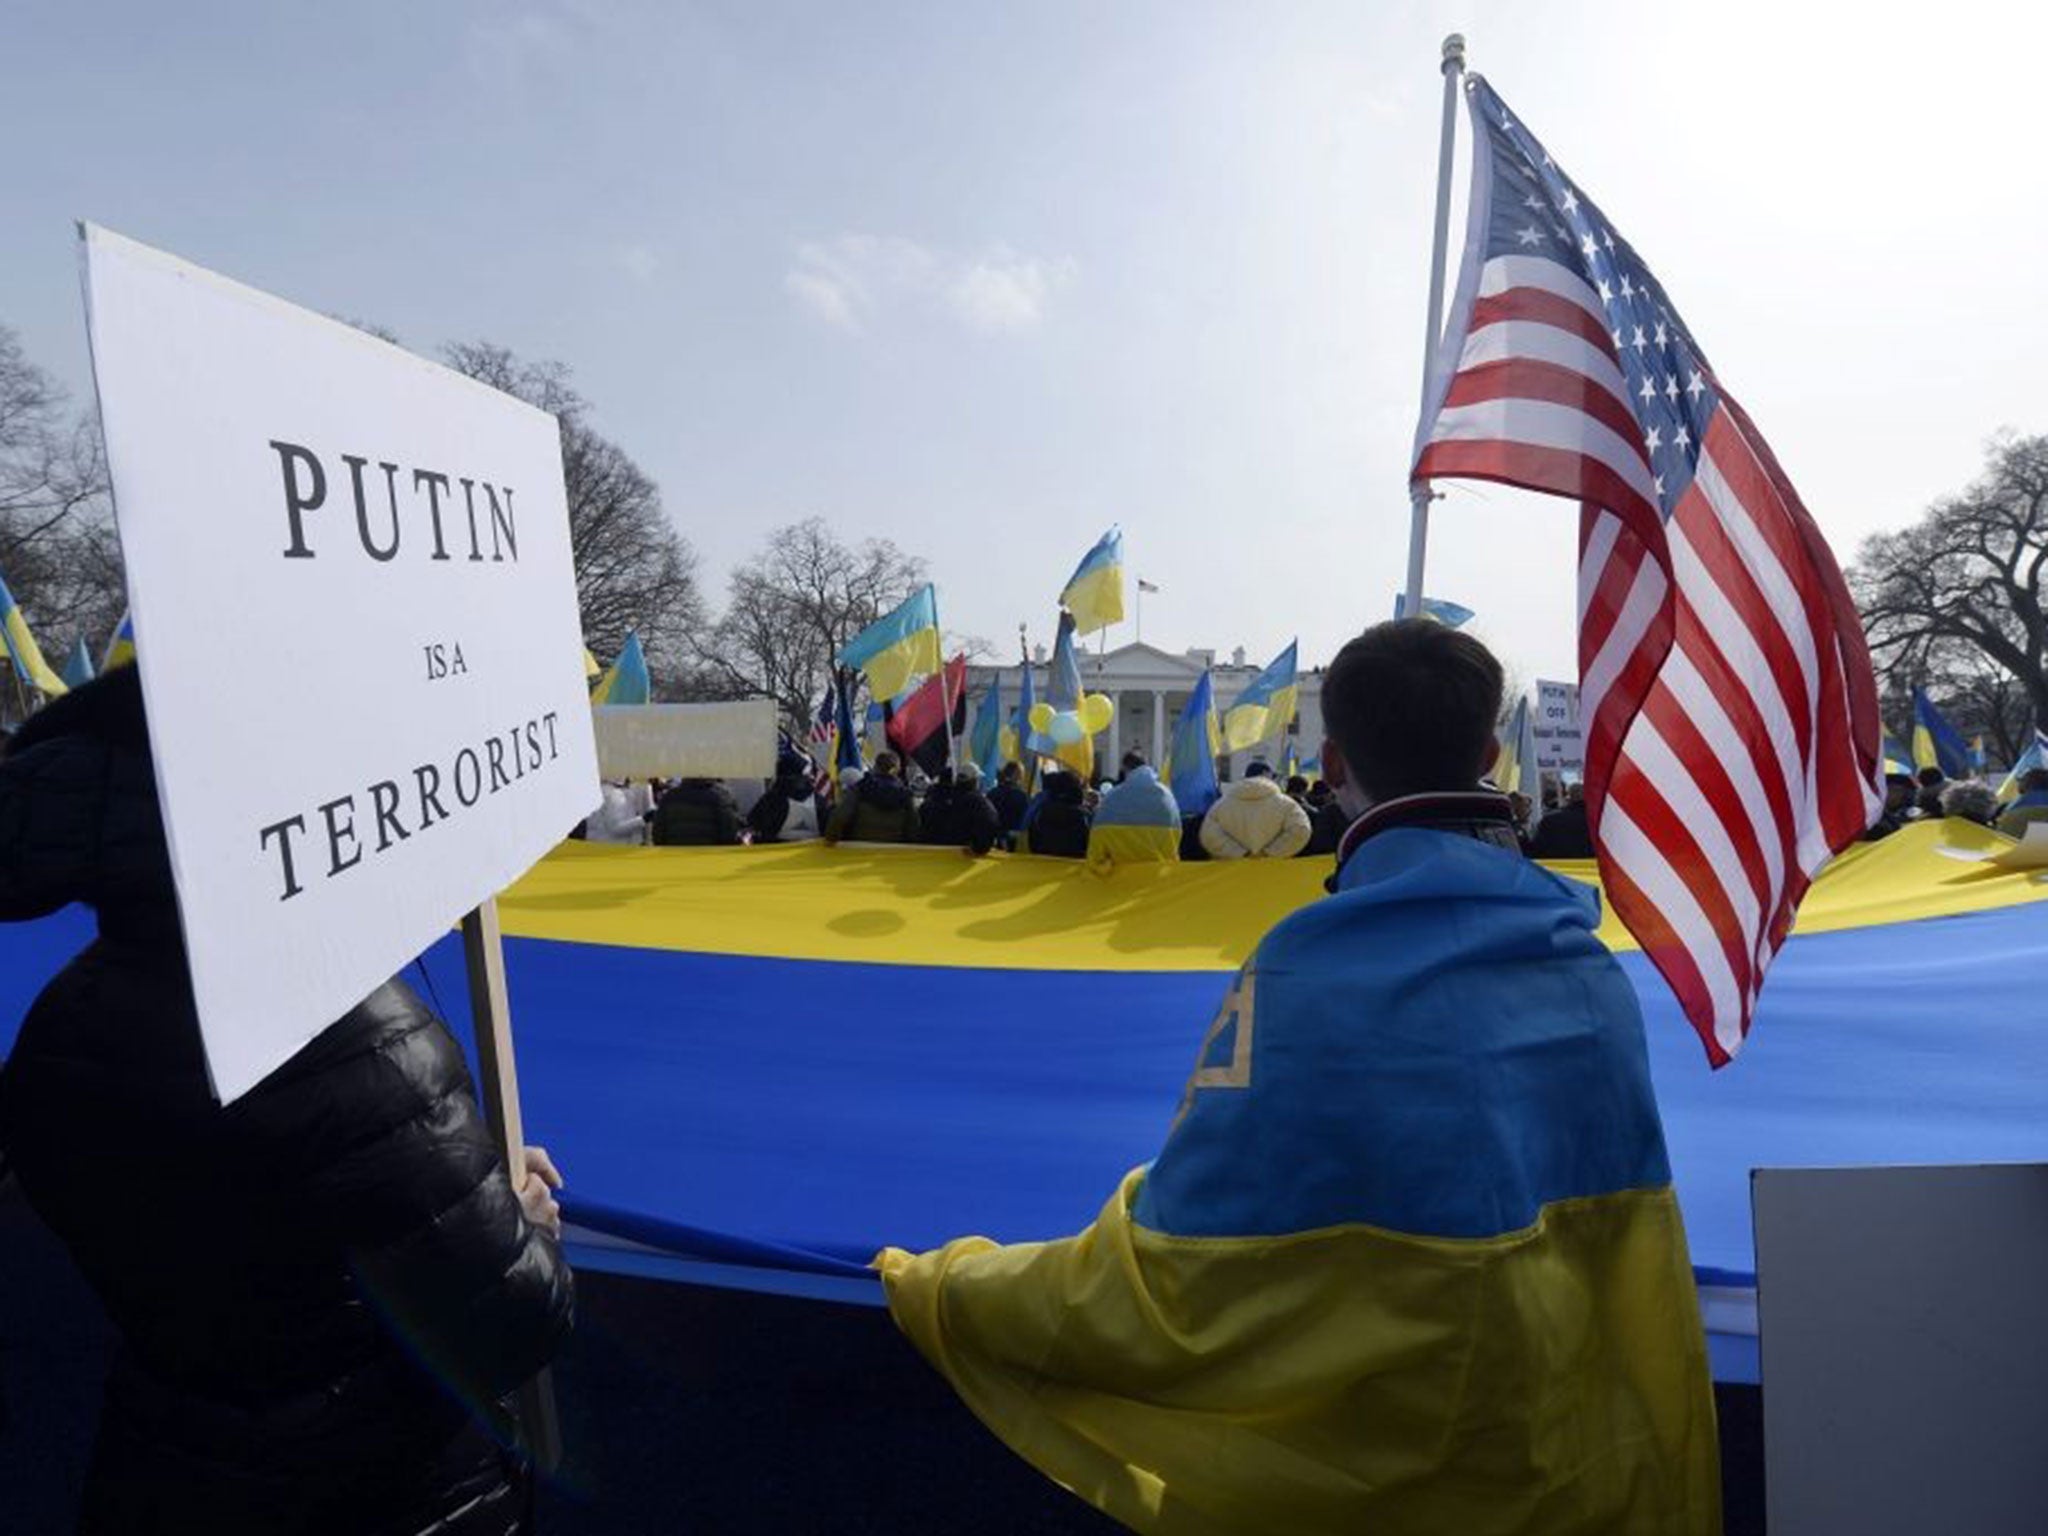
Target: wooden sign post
490 1014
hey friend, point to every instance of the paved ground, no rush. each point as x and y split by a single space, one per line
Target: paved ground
684 1410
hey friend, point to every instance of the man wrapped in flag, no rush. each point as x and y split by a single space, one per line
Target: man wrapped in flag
1409 1260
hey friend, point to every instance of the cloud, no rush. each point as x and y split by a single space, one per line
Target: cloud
852 282
1006 292
640 261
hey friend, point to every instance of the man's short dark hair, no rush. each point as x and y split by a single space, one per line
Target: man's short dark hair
887 763
1931 776
1412 704
1011 773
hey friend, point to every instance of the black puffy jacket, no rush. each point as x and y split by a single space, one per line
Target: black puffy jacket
697 813
958 816
321 1287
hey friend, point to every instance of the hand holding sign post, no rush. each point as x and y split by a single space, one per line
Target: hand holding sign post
367 706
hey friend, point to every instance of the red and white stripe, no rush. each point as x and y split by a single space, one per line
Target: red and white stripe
1725 691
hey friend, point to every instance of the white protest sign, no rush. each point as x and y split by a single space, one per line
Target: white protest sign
350 574
1560 746
687 741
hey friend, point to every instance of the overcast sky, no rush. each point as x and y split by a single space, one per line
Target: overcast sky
985 278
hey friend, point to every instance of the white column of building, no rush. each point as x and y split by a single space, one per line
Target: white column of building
1158 728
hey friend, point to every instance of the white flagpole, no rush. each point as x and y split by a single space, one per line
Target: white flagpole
1419 494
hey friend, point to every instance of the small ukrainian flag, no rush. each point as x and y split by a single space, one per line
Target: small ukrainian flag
899 646
29 665
1094 594
1266 707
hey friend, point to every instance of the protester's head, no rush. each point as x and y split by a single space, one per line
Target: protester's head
1133 759
1012 773
1409 707
1932 777
1297 786
1061 787
887 765
1575 792
1259 768
1521 806
968 776
1898 791
2034 782
1319 793
1971 801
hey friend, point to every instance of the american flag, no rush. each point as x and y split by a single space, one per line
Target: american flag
1729 710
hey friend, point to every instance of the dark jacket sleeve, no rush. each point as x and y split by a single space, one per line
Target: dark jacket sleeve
399 1159
57 844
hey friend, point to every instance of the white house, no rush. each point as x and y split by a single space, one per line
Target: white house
1150 688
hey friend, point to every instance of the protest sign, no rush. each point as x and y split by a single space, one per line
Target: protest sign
361 656
1560 745
687 741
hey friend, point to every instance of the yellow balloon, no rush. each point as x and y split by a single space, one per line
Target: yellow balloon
1097 711
1041 717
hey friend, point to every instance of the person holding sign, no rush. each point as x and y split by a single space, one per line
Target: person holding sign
325 1288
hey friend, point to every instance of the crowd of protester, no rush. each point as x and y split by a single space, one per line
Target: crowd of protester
1255 817
341 1352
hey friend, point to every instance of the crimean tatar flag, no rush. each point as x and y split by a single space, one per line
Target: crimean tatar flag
899 647
1731 722
21 646
1266 707
1094 594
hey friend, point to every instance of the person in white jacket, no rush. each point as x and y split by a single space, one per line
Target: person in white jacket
1254 820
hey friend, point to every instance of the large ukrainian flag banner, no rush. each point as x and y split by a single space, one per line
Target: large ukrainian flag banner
22 649
1011 1035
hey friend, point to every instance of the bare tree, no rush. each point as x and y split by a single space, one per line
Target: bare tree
634 570
1957 602
57 545
793 607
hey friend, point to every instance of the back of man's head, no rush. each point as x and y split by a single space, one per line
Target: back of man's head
886 764
1932 777
1411 704
1012 773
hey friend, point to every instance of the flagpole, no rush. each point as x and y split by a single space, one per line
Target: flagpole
1419 493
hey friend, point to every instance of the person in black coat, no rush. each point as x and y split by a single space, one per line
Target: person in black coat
958 815
1565 832
1058 823
697 813
1009 800
325 1290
